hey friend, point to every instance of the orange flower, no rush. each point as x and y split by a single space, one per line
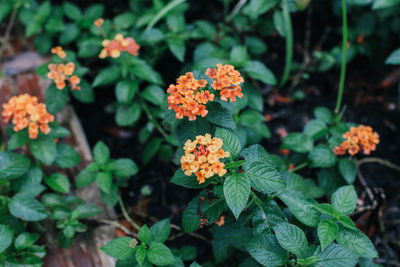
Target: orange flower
227 80
59 52
202 157
26 112
60 73
358 138
98 22
114 48
186 99
221 221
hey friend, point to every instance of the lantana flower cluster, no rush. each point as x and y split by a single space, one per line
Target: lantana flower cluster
358 138
63 73
114 48
188 98
26 111
202 157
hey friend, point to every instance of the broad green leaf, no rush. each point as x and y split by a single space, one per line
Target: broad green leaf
259 71
327 232
357 242
84 178
58 182
298 142
252 154
127 115
85 94
119 248
13 165
125 91
266 250
255 45
180 178
6 237
255 121
305 186
230 142
67 156
336 256
322 156
212 210
87 210
18 139
141 254
237 192
144 71
177 48
94 11
123 167
70 33
90 47
291 238
348 169
188 130
394 58
25 240
160 255
144 234
316 129
55 99
160 231
154 94
107 75
347 222
239 54
124 20
301 207
221 244
345 199
44 149
330 180
279 22
257 7
72 11
325 208
26 208
220 116
176 22
264 177
323 114
378 4
190 216
151 149
266 217
104 181
101 153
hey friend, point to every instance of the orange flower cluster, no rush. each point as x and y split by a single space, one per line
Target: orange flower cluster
59 52
26 111
60 73
361 137
227 80
113 48
221 221
186 99
202 157
98 22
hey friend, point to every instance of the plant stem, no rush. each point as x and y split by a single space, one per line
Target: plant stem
126 215
163 12
344 57
379 161
299 167
236 9
289 42
153 120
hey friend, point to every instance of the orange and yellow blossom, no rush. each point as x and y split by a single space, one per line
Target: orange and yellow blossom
98 22
361 137
186 99
25 111
59 52
227 80
202 157
114 48
60 73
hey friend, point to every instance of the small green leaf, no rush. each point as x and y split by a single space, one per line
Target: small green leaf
27 208
55 99
151 149
25 240
325 208
124 20
144 71
107 75
237 192
394 58
72 11
70 33
123 167
160 231
101 153
125 91
13 165
44 149
327 232
144 234
6 237
348 169
160 255
316 129
66 157
127 115
323 114
357 242
85 94
378 4
180 178
231 143
298 142
154 94
190 216
259 71
347 222
345 199
86 210
119 248
141 254
291 238
58 182
84 178
322 156
177 48
104 181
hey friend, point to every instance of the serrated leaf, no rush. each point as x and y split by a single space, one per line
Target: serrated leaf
316 129
123 167
104 181
237 192
305 186
144 234
26 208
322 156
18 139
336 256
160 231
119 248
347 222
298 142
67 156
44 149
266 250
58 182
55 99
6 237
230 142
345 199
101 153
327 232
291 238
160 255
357 242
13 165
220 116
264 177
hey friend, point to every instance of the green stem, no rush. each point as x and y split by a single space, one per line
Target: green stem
126 215
163 12
153 120
299 167
344 58
256 199
289 42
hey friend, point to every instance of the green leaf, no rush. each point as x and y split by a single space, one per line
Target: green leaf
348 169
176 22
327 232
94 11
144 71
128 115
58 182
347 222
66 157
230 142
160 231
305 186
180 178
124 20
160 255
279 22
266 250
125 91
84 178
72 11
70 33
255 121
345 199
26 208
357 242
257 70
322 156
18 139
177 48
25 240
301 207
87 210
5 8
119 248
188 130
32 28
378 4
190 216
144 234
325 208
141 254
336 256
104 181
154 94
257 7
101 153
291 238
237 192
44 149
59 131
266 217
123 167
220 116
6 235
323 114
107 75
85 94
55 99
394 58
298 142
151 149
212 210
13 165
252 154
264 177
239 54
316 129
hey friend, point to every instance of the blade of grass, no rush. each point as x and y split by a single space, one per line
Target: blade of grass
289 42
163 12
